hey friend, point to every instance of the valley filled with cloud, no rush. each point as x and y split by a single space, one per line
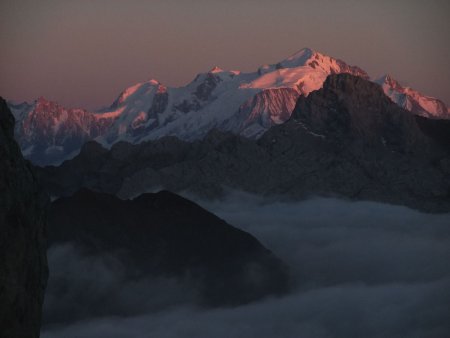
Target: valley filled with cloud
358 269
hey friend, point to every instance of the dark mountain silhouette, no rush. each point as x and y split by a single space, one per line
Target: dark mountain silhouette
164 234
23 263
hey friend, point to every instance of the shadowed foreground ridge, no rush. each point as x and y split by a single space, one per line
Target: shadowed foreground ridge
164 234
347 139
23 263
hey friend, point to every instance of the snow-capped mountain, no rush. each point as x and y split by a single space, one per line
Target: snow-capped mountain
49 133
243 103
246 103
412 100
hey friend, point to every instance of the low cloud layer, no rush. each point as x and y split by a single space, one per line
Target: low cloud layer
361 269
82 286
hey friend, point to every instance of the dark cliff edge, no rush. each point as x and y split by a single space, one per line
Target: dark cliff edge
23 219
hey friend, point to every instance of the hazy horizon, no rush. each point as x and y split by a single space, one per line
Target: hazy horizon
84 53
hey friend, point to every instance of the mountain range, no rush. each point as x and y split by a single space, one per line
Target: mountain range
347 140
246 104
308 126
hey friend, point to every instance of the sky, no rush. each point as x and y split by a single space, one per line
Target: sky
84 53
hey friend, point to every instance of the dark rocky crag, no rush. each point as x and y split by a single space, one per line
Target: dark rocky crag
166 235
347 139
369 148
23 263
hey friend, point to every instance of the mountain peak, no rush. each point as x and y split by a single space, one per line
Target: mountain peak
388 77
153 82
42 104
389 80
299 58
361 111
302 53
363 91
42 99
307 57
216 69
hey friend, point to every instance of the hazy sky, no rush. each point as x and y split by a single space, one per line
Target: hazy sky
83 53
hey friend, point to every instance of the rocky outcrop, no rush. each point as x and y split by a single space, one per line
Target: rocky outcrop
352 110
347 140
164 234
23 263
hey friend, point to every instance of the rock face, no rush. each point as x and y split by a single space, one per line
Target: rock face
164 234
23 263
347 139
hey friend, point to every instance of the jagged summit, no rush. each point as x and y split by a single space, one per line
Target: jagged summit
42 102
307 57
216 69
299 58
389 80
153 82
41 99
386 78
